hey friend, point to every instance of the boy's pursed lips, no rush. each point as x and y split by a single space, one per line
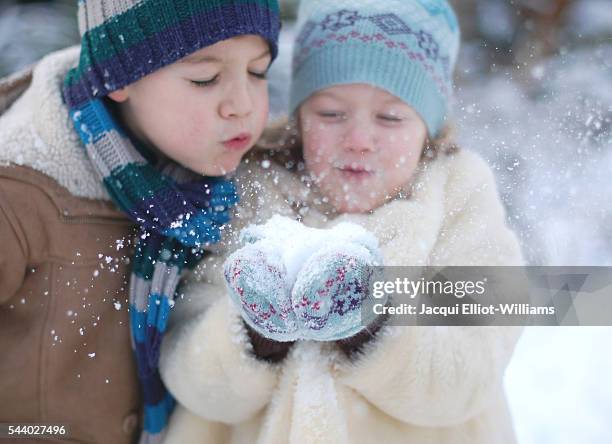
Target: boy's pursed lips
238 142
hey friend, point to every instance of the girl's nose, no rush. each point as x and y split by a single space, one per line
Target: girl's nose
358 137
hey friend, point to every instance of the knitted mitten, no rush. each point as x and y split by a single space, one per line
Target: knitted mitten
330 289
256 278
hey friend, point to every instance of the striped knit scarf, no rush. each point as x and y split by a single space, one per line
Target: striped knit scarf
178 213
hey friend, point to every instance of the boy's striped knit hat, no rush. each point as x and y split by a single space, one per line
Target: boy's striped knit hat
406 47
124 40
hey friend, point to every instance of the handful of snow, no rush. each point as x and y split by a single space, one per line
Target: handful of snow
292 243
295 282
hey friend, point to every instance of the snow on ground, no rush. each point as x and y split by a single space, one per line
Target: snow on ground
558 386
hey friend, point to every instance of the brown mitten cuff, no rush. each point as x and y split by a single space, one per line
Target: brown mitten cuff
267 349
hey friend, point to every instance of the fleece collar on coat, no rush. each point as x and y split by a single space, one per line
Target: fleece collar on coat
36 131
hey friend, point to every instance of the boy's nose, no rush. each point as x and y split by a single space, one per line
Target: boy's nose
237 103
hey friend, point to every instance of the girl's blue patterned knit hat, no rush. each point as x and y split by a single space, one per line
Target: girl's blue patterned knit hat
124 40
406 47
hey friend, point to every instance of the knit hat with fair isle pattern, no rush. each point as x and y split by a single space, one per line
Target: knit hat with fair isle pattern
406 47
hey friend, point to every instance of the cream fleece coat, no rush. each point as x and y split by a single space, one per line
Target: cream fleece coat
411 384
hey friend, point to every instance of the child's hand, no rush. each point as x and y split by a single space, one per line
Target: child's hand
330 289
295 282
257 281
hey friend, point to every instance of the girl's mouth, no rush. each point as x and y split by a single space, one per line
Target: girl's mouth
355 172
240 142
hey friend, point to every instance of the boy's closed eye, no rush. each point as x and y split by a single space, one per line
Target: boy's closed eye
257 68
209 82
263 75
202 83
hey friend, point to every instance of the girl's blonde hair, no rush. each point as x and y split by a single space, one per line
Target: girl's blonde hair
443 144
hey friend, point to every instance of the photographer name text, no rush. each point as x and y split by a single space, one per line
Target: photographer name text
463 309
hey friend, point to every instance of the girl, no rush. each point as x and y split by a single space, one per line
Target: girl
371 87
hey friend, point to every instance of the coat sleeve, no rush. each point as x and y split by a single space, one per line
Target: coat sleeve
207 360
474 229
432 376
13 251
438 375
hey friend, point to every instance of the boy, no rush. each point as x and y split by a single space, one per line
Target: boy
96 142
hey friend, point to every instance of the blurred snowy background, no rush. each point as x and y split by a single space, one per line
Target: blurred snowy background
534 97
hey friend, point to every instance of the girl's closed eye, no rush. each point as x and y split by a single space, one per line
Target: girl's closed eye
332 115
390 118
